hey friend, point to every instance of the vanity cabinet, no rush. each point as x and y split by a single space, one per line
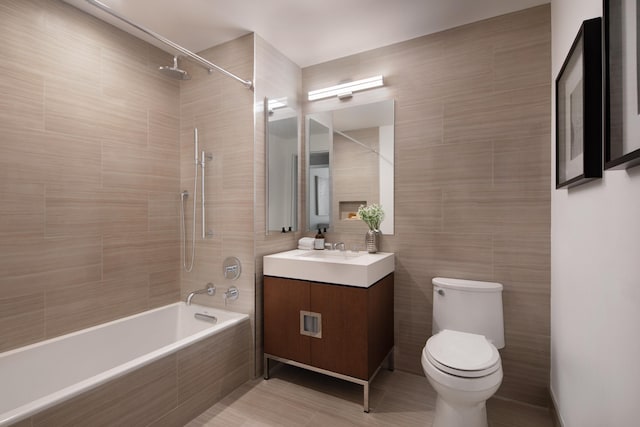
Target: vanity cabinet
330 328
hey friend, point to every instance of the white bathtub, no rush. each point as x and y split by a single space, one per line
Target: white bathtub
41 375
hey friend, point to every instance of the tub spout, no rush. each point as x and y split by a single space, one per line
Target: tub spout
209 290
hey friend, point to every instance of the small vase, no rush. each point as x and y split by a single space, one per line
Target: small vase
371 241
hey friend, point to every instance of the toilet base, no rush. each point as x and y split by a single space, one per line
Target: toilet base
459 415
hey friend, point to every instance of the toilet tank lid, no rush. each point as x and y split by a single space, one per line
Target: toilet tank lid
467 285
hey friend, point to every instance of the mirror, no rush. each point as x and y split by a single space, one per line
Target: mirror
318 171
281 152
350 162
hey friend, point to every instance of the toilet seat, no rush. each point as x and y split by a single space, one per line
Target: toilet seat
462 354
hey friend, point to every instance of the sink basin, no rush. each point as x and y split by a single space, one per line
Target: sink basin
360 269
331 254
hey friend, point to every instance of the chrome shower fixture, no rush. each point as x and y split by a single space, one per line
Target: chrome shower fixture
200 160
173 71
210 66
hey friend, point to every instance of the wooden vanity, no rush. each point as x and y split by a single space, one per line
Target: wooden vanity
336 329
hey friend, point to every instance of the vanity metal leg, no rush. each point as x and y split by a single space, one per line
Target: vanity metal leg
366 397
364 383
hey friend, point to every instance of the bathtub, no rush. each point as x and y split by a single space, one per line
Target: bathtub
163 366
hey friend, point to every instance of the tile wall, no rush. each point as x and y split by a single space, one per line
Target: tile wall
276 77
89 173
222 111
472 177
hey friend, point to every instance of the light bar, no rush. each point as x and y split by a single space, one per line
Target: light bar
277 103
346 89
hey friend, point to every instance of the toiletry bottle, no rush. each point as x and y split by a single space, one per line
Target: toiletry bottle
318 243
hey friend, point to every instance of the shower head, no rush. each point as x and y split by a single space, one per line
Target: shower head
173 71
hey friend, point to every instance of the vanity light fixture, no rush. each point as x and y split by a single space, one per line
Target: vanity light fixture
346 90
277 103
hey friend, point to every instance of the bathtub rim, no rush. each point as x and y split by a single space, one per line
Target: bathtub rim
38 405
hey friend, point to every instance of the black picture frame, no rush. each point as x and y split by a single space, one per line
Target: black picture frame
622 100
579 109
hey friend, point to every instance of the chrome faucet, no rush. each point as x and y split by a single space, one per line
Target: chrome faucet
339 245
210 290
231 294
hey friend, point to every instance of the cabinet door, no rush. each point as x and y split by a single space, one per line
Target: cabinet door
380 306
343 346
283 300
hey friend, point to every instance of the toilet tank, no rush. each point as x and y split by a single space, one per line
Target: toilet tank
469 306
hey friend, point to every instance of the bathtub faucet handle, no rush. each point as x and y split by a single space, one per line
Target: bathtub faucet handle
211 289
231 294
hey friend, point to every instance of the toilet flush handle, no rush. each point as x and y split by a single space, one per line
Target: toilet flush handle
440 292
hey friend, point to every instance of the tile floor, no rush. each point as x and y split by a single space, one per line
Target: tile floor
296 397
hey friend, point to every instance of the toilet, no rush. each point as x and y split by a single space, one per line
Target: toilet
461 359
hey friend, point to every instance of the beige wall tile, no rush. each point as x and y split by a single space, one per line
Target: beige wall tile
17 146
472 176
72 162
418 123
519 113
83 102
164 132
496 211
17 285
525 361
22 32
22 102
22 209
199 363
521 66
80 306
164 287
22 320
128 167
417 207
459 166
93 212
520 164
17 255
134 399
164 212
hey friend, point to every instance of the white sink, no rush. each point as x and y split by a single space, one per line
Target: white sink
360 269
331 254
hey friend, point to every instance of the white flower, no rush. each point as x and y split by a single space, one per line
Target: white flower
372 215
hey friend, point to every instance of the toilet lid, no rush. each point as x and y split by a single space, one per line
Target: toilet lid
462 354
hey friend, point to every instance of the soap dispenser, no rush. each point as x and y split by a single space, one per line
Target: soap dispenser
318 243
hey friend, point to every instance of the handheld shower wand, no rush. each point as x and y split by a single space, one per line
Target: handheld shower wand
184 195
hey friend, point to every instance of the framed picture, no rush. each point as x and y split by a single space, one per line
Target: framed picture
579 109
622 112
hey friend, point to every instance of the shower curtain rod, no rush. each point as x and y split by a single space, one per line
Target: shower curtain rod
198 59
362 144
356 141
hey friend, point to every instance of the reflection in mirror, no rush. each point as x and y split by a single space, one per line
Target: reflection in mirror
318 180
281 141
350 163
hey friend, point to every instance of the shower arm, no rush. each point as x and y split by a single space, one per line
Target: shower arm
196 58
